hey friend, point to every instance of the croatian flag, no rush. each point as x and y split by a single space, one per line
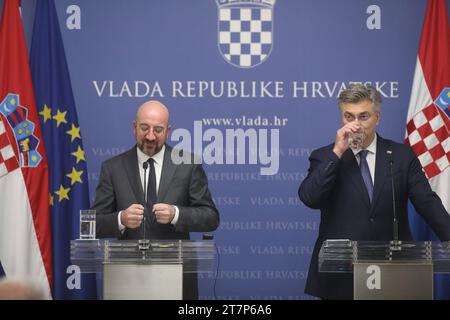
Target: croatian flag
25 234
428 122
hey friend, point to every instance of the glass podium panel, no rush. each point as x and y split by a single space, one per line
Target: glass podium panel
195 256
338 255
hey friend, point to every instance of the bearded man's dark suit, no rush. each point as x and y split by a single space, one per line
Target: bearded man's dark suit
336 187
183 185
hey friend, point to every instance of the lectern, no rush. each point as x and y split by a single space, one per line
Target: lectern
390 270
143 269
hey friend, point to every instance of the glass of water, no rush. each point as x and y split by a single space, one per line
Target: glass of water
87 224
356 139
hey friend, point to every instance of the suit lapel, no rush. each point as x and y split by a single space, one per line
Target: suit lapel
130 163
168 170
381 170
352 172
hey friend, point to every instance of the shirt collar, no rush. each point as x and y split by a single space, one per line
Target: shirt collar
158 157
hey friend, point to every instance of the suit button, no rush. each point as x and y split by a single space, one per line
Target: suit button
372 219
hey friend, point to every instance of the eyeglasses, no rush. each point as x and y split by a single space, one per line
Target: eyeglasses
361 117
144 128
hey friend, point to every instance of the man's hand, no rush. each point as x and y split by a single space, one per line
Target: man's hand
164 213
132 216
341 144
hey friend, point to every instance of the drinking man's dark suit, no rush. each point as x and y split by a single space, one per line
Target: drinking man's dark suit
336 187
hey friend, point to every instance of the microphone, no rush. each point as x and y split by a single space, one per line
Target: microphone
394 206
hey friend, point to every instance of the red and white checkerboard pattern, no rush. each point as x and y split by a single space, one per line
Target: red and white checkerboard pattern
430 140
8 161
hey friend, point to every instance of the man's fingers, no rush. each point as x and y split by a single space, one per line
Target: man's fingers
133 216
159 207
136 208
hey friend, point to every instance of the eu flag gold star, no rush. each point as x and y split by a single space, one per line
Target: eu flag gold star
50 199
60 117
75 176
63 193
74 133
79 154
46 113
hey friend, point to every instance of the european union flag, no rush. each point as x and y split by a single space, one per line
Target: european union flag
66 158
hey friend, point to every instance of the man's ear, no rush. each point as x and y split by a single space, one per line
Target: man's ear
134 124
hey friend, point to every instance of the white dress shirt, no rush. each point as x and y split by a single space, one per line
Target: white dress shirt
158 164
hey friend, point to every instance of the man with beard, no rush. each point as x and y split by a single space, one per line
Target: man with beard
178 198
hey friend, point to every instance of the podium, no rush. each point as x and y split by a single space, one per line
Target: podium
143 269
387 270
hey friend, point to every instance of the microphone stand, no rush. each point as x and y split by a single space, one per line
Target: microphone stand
396 245
144 243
